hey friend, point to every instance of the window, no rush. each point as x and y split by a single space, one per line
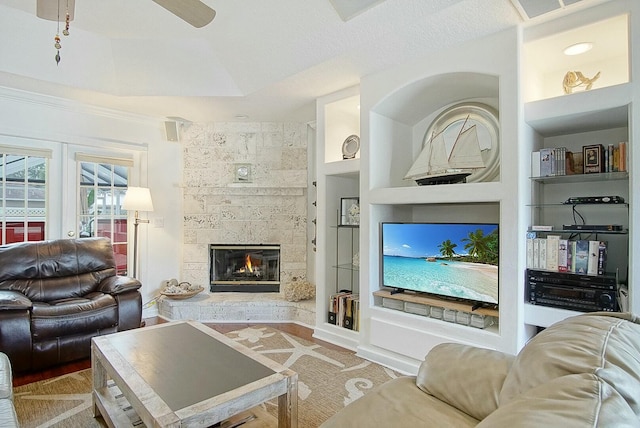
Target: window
23 194
51 191
102 187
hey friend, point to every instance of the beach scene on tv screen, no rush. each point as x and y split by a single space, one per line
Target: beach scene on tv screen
454 260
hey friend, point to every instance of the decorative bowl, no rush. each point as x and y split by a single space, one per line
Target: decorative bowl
182 295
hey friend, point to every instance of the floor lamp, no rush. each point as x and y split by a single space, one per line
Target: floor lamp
137 199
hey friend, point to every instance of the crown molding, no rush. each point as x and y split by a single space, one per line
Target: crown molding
63 104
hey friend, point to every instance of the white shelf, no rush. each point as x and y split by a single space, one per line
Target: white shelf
583 178
583 111
346 167
544 316
439 194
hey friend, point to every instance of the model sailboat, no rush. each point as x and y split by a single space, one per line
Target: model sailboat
433 166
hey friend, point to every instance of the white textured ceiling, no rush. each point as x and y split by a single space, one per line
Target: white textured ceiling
268 59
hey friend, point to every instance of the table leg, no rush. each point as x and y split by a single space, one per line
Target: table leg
288 404
99 379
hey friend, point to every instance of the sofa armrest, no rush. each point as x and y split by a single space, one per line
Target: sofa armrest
13 300
465 377
119 284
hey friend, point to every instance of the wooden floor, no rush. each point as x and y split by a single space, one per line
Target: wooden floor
290 328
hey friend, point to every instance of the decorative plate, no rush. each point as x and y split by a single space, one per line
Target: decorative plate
485 118
350 147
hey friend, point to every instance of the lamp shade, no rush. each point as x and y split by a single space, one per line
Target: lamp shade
137 199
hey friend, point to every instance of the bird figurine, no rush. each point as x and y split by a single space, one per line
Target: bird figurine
574 79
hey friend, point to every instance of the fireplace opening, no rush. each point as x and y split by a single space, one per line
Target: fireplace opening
248 268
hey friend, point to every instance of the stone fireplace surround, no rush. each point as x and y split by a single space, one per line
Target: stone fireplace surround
238 307
270 209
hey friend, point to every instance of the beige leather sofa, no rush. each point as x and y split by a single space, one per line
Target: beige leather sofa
580 372
8 417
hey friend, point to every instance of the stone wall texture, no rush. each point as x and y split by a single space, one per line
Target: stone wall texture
270 209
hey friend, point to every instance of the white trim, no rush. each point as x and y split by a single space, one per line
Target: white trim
25 151
64 104
86 157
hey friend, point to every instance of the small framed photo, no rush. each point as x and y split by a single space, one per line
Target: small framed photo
592 158
242 172
349 211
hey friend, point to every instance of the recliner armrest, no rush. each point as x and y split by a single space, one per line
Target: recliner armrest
465 377
119 284
13 300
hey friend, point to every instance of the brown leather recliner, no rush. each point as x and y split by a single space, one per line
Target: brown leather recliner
56 295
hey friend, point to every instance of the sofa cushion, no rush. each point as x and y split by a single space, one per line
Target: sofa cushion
6 378
56 269
604 344
578 400
399 403
466 377
8 416
67 317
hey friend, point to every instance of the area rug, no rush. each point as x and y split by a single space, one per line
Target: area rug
328 379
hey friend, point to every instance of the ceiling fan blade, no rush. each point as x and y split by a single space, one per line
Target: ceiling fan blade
194 12
48 9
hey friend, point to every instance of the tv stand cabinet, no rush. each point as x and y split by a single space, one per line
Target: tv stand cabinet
413 297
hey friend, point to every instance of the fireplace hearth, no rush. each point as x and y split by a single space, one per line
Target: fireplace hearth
244 268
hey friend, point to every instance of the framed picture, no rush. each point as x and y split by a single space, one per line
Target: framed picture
349 211
592 158
242 173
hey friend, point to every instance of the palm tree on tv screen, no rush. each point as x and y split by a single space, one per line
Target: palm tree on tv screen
482 247
447 248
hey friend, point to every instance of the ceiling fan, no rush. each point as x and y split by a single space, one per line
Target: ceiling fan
195 12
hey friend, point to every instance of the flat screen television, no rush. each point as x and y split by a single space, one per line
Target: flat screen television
449 260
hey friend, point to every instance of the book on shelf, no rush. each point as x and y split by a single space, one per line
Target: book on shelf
554 253
542 257
553 243
535 164
622 146
594 158
571 256
560 155
546 162
578 163
563 255
343 309
592 265
581 256
536 253
602 257
615 157
598 158
549 162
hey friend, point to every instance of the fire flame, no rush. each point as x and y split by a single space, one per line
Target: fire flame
247 263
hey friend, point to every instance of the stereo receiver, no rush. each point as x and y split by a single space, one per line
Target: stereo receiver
574 292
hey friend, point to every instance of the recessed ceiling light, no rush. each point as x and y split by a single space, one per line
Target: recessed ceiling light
578 48
241 116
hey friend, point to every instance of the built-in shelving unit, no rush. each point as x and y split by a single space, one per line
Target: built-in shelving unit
397 107
394 127
338 117
601 115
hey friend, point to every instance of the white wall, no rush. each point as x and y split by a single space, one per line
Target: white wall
32 119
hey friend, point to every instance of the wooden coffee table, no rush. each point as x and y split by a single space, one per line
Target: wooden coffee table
184 374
